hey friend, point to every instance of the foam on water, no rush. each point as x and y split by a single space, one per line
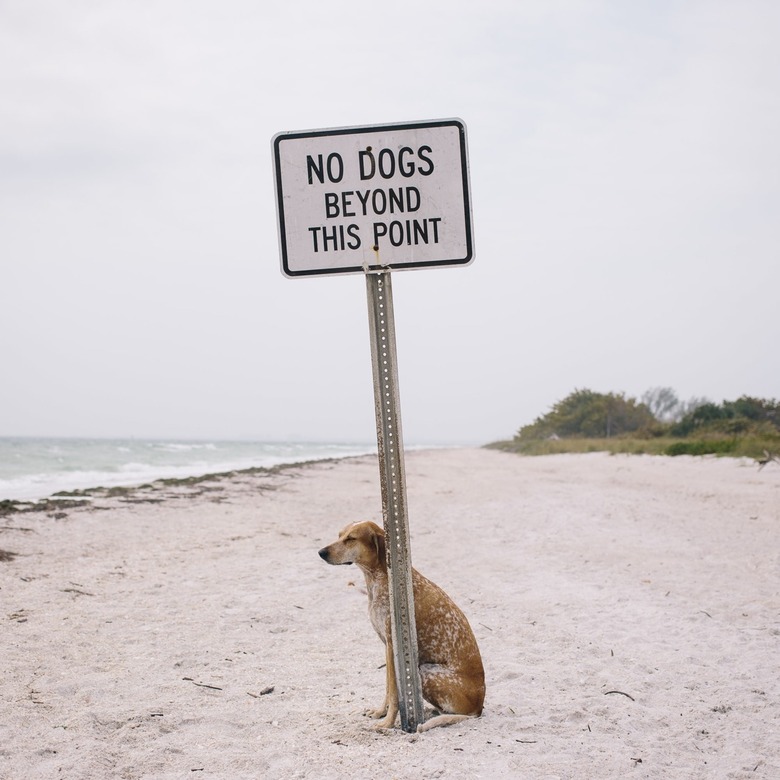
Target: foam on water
36 468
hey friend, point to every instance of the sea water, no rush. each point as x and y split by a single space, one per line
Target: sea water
33 468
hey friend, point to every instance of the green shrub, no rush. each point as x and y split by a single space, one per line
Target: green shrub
702 447
585 414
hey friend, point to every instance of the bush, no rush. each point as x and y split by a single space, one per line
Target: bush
585 414
702 447
731 417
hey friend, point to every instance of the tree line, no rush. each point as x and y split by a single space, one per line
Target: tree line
659 413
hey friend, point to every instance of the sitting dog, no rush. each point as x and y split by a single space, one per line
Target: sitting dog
451 671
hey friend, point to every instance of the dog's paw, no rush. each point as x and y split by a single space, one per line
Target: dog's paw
376 714
383 725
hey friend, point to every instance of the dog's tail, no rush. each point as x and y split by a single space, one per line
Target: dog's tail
441 720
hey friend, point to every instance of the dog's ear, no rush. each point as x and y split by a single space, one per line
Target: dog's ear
379 546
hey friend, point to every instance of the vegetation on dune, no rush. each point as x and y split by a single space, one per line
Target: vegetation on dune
658 423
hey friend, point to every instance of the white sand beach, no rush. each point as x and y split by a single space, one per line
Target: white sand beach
627 609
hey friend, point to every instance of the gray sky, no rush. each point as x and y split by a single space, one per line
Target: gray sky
625 173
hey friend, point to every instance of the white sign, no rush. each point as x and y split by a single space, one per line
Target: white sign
388 196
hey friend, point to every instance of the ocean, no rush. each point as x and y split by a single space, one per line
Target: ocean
34 468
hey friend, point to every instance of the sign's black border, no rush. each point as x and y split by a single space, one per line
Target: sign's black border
279 137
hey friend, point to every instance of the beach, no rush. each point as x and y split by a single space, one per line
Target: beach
627 609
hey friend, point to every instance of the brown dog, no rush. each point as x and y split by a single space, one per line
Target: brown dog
453 679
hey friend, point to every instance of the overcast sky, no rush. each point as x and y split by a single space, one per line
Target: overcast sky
625 173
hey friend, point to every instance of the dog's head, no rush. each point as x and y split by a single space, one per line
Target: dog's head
360 543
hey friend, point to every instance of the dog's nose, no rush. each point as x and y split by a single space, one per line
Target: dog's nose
324 553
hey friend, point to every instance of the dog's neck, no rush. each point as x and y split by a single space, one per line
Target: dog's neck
376 571
376 577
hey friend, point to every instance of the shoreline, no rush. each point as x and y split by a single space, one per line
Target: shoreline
199 632
33 469
83 497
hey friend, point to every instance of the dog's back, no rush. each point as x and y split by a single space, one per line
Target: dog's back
451 670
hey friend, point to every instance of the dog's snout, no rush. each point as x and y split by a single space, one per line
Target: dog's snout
333 556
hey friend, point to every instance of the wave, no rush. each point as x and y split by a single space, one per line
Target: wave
32 469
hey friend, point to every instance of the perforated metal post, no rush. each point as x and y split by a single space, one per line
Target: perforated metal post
393 483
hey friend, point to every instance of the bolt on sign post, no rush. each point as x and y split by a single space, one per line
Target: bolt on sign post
372 200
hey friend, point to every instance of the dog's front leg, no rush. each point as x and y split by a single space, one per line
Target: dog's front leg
380 712
391 690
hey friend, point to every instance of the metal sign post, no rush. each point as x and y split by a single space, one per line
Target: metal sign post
371 200
393 484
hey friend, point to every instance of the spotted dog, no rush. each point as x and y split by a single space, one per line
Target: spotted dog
451 671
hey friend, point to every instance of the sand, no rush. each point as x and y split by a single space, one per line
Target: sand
627 609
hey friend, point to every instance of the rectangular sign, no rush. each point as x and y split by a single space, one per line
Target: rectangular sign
390 196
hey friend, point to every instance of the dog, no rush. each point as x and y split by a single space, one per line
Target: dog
451 670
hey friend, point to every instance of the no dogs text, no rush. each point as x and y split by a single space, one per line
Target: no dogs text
387 207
